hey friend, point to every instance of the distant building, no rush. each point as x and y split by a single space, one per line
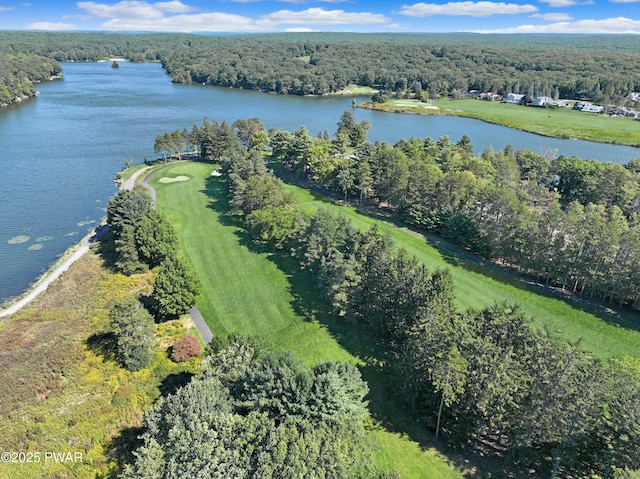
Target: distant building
541 101
514 98
490 96
592 109
626 112
634 96
588 107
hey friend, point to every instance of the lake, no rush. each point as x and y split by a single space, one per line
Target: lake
60 151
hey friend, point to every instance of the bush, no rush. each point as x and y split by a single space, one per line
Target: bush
185 348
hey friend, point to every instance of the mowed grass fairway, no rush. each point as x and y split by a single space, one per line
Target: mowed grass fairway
244 291
477 286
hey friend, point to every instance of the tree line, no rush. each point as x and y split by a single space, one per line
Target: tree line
566 221
484 379
601 68
141 238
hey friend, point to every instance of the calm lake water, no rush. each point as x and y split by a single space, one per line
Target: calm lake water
59 152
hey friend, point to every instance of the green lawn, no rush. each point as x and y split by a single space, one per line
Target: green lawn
248 291
243 290
558 123
257 293
477 286
124 175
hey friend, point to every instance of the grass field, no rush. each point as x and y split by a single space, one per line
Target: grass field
354 89
256 293
557 123
477 286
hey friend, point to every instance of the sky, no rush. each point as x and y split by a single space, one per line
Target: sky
262 16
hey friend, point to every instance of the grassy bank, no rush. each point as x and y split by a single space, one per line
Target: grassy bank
253 292
557 123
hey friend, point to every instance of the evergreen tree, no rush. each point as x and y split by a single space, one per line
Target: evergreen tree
134 329
175 288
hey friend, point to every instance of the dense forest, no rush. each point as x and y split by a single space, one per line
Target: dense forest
600 68
257 414
19 72
485 380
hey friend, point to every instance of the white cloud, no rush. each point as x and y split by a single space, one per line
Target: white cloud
319 16
51 26
473 9
137 15
566 3
206 22
607 25
174 6
7 9
625 1
134 9
300 30
553 17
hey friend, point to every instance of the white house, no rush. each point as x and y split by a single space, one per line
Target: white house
634 96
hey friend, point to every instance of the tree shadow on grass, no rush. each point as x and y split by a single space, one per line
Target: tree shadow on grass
122 447
458 257
217 190
502 275
380 368
309 303
103 344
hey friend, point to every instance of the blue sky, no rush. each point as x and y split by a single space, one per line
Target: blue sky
508 16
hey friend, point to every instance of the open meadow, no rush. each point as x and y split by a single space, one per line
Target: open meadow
61 389
557 122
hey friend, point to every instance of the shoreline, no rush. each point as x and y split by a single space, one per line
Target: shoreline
63 263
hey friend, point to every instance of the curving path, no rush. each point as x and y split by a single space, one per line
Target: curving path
83 248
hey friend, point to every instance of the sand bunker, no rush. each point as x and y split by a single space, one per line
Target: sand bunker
174 180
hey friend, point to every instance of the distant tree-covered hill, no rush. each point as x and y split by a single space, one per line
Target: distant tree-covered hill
19 71
601 68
